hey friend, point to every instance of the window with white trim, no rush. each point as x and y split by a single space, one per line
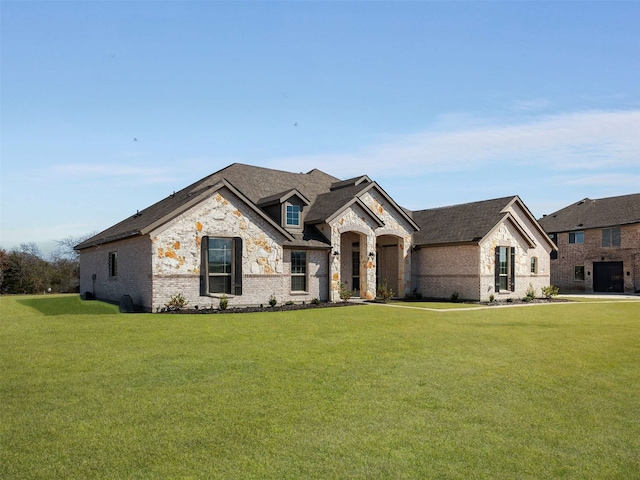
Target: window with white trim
293 215
298 271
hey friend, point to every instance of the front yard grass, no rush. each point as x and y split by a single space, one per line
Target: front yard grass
367 392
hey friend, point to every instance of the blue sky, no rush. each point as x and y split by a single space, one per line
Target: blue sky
108 107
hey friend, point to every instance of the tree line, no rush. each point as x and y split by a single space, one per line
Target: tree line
25 270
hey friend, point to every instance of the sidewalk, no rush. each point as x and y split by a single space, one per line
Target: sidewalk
609 296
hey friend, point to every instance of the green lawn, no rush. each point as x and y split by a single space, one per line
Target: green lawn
364 392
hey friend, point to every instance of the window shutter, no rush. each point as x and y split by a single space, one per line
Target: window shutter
512 276
497 270
204 252
237 266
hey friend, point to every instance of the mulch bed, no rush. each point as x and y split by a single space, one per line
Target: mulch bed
263 308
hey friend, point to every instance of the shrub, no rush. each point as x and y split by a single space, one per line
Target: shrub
509 300
550 291
315 301
176 302
289 302
531 293
273 300
454 297
345 293
492 298
384 292
224 302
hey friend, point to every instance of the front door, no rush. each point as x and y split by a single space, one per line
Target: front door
355 269
608 277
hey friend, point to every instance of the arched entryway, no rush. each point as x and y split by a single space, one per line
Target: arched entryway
390 264
357 264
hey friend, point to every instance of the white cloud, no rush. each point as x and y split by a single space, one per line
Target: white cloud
616 180
583 140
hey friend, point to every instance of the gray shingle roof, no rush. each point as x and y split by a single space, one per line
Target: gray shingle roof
598 213
255 183
464 223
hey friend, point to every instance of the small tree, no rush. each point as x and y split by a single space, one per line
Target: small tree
384 292
550 291
345 293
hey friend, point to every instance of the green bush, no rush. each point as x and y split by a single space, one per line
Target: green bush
454 297
273 300
315 301
176 302
384 292
224 302
531 293
345 293
550 291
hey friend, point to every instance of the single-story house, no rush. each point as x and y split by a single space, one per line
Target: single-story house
598 245
247 233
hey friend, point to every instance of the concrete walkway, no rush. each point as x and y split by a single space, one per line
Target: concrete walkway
601 297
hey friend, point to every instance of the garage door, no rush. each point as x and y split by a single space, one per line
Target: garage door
608 277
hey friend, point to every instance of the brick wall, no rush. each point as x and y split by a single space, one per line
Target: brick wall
572 255
133 275
438 272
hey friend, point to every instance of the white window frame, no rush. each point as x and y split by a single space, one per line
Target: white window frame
297 274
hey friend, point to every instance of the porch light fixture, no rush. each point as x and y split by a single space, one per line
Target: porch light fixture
371 254
336 253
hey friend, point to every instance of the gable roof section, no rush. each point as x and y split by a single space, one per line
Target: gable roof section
350 182
598 213
330 204
155 216
464 223
282 197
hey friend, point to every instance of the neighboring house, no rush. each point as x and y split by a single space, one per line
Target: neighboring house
458 247
598 245
248 233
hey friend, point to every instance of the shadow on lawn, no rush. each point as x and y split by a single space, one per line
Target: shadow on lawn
68 305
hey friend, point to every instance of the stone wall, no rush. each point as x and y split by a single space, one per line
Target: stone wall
176 256
506 235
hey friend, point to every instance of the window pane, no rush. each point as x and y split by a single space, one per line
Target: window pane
504 263
606 237
293 215
579 272
299 263
220 258
220 255
615 237
299 283
220 284
534 265
299 271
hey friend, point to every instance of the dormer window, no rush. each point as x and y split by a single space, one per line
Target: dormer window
293 215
